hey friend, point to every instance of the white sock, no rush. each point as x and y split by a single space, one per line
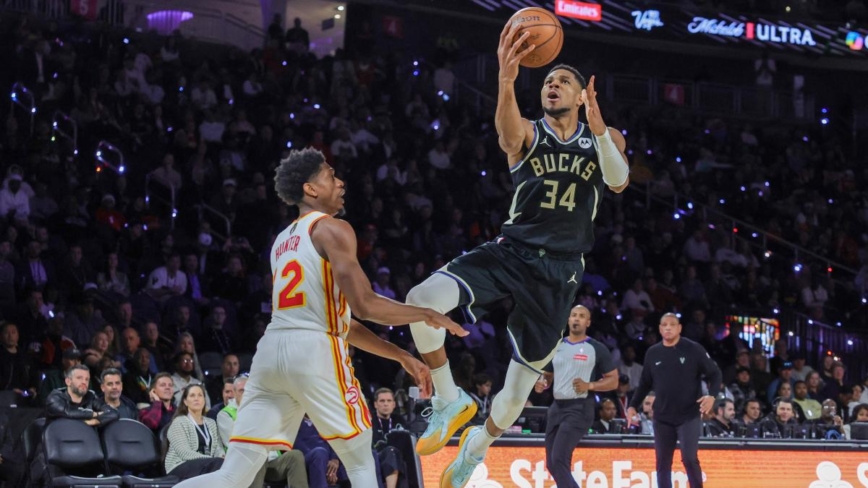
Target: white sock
479 444
444 385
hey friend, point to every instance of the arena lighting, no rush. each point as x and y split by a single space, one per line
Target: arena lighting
831 201
838 324
678 315
768 254
776 311
810 322
829 269
849 342
743 189
753 234
677 159
289 144
805 138
791 334
767 184
824 121
676 216
735 230
797 268
415 63
483 173
824 110
722 201
690 205
316 106
624 132
337 16
341 8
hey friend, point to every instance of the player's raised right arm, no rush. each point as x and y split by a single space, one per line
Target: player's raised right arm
335 241
511 127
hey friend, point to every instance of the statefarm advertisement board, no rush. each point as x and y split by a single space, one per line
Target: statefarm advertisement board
601 467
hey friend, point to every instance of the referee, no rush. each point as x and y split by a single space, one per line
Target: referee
674 369
577 367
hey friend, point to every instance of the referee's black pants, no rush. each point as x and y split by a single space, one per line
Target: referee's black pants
567 423
665 437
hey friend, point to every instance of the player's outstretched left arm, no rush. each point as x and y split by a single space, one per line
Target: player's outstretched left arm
362 338
613 160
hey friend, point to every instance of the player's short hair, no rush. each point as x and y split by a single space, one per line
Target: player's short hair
293 172
572 70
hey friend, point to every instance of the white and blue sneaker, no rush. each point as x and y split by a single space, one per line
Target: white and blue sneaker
444 420
459 472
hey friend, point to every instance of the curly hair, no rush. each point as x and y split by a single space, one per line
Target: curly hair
572 70
294 171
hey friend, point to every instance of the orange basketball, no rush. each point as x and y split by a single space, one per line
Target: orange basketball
545 32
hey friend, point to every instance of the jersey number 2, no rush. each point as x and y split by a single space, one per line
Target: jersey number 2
568 199
288 298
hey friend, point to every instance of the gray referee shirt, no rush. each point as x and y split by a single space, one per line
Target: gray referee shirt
587 360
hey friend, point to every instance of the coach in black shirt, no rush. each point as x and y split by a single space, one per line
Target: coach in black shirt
674 369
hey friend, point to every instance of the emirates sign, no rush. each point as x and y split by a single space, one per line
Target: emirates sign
579 10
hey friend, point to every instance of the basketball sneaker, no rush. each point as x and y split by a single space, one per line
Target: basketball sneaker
443 420
458 473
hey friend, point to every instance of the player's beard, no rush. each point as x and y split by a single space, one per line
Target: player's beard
556 112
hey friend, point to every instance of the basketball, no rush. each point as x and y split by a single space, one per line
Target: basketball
545 32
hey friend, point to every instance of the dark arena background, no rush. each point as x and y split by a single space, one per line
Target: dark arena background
137 211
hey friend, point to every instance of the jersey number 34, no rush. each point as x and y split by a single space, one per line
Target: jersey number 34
288 298
568 199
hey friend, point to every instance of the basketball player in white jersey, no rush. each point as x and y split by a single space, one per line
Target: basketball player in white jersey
301 363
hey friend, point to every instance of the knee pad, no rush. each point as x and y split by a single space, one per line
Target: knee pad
438 293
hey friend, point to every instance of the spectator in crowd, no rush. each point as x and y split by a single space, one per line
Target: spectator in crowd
324 469
113 280
184 376
815 389
84 321
162 407
76 401
34 325
386 420
381 284
762 379
622 396
217 337
811 408
800 369
14 363
752 412
834 385
227 394
628 366
168 281
785 375
185 344
112 398
158 345
860 414
56 378
779 422
742 390
481 394
94 355
829 417
646 417
229 369
605 424
194 442
131 345
723 424
34 272
227 415
138 379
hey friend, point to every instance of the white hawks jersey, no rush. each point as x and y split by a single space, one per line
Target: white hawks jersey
305 295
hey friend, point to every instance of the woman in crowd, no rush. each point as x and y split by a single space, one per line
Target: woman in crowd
112 279
194 442
186 344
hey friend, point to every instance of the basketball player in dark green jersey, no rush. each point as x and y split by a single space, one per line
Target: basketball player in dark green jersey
560 168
